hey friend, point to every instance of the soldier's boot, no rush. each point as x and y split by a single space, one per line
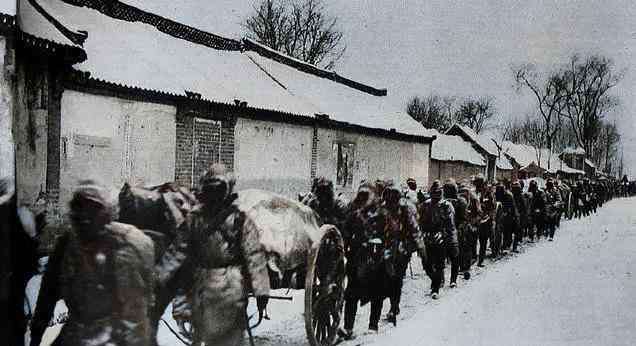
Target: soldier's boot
376 311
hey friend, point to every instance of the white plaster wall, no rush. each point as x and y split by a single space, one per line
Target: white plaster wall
115 141
272 156
7 151
30 144
375 157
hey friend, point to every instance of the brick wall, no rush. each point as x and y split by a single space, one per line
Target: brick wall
183 155
202 142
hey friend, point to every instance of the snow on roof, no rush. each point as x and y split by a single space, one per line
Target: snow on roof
575 151
590 163
483 141
339 101
32 22
524 155
521 153
139 55
136 54
454 148
503 163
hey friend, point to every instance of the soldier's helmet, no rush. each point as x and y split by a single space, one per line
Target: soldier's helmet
436 190
322 188
500 191
549 184
216 184
91 205
411 183
391 194
533 186
450 189
365 194
479 180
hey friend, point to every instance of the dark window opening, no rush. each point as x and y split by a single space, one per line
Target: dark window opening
344 153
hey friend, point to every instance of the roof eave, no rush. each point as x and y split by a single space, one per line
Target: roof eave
81 81
309 68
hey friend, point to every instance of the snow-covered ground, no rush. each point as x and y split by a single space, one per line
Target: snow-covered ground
577 290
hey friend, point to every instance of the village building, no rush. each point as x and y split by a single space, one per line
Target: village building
529 162
120 94
574 157
590 168
453 157
489 149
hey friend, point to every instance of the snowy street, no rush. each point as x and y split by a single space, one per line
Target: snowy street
577 290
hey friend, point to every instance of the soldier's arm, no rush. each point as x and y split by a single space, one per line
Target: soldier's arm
411 225
49 292
448 220
254 256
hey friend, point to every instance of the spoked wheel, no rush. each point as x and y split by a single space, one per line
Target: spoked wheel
324 288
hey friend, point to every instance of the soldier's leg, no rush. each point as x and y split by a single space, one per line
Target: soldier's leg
484 234
466 252
497 242
517 235
553 227
453 254
437 263
351 303
218 311
396 295
376 311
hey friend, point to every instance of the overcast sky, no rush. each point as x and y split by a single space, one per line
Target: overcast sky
457 47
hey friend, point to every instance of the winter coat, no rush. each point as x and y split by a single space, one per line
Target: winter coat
107 285
438 223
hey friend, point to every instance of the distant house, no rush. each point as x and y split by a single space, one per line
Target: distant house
489 149
574 157
531 162
590 168
124 95
453 157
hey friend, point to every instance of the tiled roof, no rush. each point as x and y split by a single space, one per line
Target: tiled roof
134 53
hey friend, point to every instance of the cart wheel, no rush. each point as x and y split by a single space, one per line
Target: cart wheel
324 288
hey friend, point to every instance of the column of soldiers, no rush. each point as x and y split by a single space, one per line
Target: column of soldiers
107 274
456 224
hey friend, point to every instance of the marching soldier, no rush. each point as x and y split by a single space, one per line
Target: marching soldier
468 233
323 201
507 220
438 225
522 208
361 263
553 207
451 243
229 263
104 272
537 211
488 217
397 221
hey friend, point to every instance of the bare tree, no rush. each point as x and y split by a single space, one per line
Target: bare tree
477 114
606 145
299 28
512 131
549 95
587 83
433 111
